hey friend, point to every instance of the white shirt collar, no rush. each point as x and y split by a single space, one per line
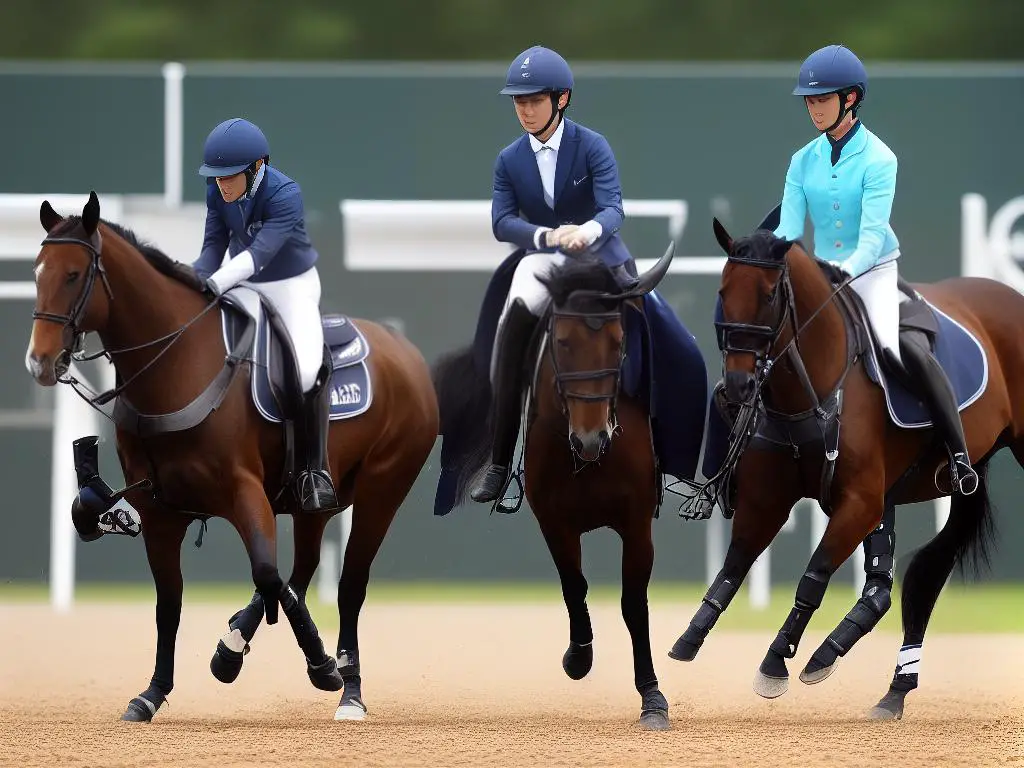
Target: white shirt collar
553 143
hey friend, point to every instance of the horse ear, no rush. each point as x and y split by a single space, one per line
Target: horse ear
780 248
91 214
722 236
48 217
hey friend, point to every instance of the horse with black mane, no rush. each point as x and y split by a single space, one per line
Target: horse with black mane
590 456
193 443
799 362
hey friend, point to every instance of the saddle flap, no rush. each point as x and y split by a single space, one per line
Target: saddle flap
916 315
346 342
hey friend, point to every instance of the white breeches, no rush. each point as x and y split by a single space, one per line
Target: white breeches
527 287
297 301
525 282
881 296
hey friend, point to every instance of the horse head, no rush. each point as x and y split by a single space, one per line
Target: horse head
67 306
586 345
755 304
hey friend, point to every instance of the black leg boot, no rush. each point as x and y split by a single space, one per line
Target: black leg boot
314 486
937 392
515 334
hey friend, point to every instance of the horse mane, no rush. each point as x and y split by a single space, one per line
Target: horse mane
464 402
579 274
764 247
160 261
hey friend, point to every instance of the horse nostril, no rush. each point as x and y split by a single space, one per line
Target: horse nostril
575 442
605 438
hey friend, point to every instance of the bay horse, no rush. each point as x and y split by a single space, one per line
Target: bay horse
221 458
797 361
575 481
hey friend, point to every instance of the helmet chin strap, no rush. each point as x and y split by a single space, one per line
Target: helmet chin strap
843 109
555 112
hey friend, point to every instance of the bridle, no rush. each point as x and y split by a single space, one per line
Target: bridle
594 321
73 336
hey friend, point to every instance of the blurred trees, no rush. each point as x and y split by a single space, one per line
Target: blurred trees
495 30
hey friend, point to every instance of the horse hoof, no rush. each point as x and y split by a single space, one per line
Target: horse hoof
811 676
879 712
654 720
325 676
683 650
890 707
139 710
226 664
578 659
770 687
350 709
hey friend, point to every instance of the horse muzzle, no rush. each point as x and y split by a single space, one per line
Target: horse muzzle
47 370
590 446
739 386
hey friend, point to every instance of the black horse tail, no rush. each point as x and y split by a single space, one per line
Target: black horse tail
974 527
965 541
464 400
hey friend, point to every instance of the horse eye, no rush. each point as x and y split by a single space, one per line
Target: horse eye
563 343
73 276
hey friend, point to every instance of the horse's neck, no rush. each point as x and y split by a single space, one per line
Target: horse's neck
822 342
147 305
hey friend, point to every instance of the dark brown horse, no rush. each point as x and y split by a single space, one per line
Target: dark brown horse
589 458
167 348
794 360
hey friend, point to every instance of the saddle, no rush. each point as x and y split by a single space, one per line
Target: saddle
275 379
956 349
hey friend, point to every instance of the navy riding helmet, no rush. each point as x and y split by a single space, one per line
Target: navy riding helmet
833 69
539 70
232 147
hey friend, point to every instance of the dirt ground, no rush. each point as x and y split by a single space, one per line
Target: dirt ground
468 685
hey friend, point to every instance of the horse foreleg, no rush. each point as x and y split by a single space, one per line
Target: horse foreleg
874 602
163 533
566 552
637 562
853 518
757 522
254 519
232 648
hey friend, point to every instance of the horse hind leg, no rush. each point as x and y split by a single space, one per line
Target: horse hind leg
380 489
637 563
874 602
965 534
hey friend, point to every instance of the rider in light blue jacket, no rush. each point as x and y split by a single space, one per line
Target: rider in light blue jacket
846 180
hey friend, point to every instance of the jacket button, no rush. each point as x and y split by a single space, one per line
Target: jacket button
835 206
839 225
839 244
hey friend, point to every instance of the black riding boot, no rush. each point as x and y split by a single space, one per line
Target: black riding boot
937 393
514 338
315 489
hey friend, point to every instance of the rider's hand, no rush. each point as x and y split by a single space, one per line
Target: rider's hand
557 237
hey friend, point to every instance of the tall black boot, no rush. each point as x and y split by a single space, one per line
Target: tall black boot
314 486
514 339
937 392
